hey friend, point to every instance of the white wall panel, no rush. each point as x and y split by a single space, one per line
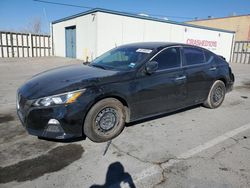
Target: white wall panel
98 33
115 30
85 36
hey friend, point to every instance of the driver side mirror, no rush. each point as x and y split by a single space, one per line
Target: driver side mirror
151 67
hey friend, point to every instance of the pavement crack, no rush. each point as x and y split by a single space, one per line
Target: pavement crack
218 152
139 159
163 178
246 148
230 146
240 139
234 139
225 148
129 154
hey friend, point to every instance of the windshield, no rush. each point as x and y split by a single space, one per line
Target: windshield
123 58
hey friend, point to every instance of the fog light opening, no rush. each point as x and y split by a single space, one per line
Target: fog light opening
53 122
54 126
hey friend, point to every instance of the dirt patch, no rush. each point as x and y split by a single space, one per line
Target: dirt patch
11 131
23 148
6 118
55 160
224 169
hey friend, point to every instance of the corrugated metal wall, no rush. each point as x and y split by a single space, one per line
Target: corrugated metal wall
241 53
13 44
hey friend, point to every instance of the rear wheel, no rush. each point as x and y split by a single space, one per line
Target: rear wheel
105 120
216 95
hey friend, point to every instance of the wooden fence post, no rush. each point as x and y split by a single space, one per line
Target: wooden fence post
1 45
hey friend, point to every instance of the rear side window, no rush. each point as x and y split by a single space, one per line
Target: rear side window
169 58
210 58
193 56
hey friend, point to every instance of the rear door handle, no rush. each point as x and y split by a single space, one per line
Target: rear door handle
180 78
213 68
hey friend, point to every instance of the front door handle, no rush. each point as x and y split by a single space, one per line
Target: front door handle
180 78
213 68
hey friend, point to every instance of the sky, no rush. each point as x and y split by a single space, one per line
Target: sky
15 15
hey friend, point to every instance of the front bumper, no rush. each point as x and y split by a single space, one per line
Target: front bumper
67 120
230 84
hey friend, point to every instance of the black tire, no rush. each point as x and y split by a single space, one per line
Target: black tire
104 114
216 95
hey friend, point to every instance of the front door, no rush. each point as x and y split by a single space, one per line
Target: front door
70 39
164 90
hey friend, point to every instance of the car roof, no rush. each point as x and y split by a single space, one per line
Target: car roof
154 45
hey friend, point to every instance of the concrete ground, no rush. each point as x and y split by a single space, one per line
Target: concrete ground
196 147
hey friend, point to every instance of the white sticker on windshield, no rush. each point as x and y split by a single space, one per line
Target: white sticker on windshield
147 51
131 65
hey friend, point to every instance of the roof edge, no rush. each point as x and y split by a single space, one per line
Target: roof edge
217 18
139 17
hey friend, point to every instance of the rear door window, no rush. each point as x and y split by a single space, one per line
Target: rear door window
210 58
168 58
193 56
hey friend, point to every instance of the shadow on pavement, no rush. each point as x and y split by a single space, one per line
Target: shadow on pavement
69 140
116 177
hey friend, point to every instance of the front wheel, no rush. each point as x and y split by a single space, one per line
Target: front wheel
105 120
216 95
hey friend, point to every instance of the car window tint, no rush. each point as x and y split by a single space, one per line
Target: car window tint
169 58
209 57
122 58
193 56
119 56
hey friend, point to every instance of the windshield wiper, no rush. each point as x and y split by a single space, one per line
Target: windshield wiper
99 66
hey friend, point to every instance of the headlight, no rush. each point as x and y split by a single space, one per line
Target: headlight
65 98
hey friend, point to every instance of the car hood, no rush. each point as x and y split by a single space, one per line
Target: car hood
64 79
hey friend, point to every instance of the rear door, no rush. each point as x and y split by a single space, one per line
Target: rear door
200 72
163 90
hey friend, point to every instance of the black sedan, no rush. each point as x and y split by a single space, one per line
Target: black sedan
128 83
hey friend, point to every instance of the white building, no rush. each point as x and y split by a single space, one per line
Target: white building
89 34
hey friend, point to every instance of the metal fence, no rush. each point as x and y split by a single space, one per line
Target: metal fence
241 53
13 44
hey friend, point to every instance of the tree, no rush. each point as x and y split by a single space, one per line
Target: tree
35 26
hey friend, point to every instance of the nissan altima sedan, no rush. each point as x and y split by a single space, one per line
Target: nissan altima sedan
125 84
